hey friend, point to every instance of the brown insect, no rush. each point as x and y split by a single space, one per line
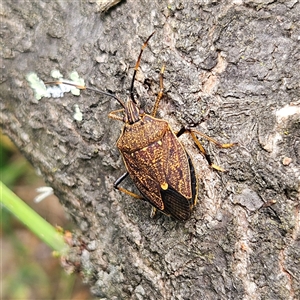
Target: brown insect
156 161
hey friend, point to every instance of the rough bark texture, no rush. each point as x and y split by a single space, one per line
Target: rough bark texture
234 62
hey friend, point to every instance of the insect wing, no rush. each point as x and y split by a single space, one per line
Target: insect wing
161 162
175 204
176 165
146 171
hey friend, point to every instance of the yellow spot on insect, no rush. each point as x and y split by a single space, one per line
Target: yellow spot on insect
159 143
144 149
164 186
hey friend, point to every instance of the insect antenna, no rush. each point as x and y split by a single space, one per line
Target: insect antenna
82 87
137 66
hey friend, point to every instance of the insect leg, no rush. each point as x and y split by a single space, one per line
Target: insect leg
153 212
211 139
193 133
160 93
114 114
116 186
202 150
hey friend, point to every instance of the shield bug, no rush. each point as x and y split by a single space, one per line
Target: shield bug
155 159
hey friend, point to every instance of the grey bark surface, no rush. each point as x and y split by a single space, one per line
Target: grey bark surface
233 63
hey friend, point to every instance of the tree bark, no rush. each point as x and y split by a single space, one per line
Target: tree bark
232 67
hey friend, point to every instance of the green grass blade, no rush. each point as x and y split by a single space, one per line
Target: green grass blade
45 231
